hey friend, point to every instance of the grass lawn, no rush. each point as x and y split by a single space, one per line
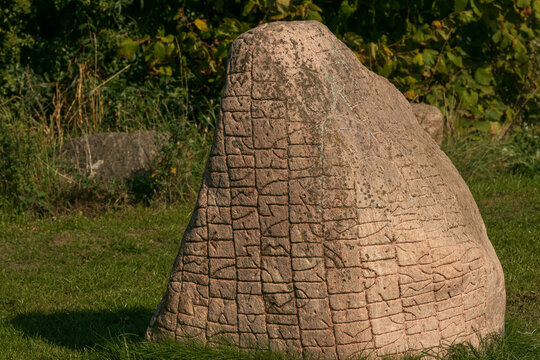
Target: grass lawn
85 288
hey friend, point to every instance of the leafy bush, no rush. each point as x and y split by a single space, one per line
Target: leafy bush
478 59
202 34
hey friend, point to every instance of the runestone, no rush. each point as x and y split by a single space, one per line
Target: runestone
328 222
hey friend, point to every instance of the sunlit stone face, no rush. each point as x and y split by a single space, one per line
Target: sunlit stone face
328 221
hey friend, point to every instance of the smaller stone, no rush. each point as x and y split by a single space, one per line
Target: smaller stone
115 155
431 119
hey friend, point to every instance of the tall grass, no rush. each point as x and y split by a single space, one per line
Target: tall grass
494 150
34 125
85 100
481 158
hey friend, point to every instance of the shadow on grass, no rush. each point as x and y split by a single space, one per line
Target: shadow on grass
80 329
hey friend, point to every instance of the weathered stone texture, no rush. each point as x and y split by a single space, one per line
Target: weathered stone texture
114 155
328 221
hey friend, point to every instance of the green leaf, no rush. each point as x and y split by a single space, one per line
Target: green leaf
280 16
455 59
496 37
314 7
418 59
128 48
460 5
213 65
483 76
386 51
170 49
283 3
527 31
353 39
387 68
523 3
409 80
495 127
506 39
493 115
179 14
521 57
346 9
441 66
466 16
248 7
166 39
430 56
486 90
469 98
372 50
313 15
165 70
159 51
483 126
422 33
475 8
442 34
201 25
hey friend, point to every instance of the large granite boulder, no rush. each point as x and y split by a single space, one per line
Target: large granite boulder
431 119
328 221
114 155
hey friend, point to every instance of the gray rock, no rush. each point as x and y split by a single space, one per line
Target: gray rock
114 155
431 119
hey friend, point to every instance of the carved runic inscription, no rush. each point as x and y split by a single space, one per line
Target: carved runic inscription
328 221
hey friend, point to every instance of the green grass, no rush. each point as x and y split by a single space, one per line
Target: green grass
510 207
69 284
80 287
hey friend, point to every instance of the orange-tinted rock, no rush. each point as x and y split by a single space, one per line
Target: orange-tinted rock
328 221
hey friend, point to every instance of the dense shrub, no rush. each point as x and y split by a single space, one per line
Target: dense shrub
477 59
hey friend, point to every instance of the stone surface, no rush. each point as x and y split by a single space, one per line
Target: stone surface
328 221
431 119
114 155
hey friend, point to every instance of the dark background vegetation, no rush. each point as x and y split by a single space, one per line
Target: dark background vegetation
69 67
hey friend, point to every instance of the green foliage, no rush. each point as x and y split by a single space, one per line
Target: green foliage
478 58
202 34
